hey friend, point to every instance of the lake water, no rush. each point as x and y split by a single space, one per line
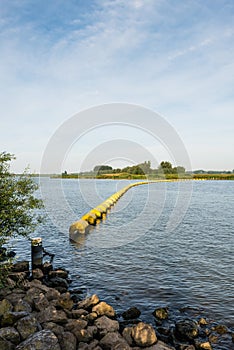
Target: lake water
133 258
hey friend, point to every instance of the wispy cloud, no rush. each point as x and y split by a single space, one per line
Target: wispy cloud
65 56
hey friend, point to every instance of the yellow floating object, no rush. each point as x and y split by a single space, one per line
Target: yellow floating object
90 218
101 208
78 227
96 212
99 212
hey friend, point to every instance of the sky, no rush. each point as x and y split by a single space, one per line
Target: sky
175 58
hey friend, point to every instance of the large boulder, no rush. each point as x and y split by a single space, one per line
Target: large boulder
6 345
5 306
106 325
40 302
43 340
114 340
58 283
65 301
143 334
161 313
75 326
52 294
131 313
55 328
51 314
58 273
104 309
186 329
10 334
26 326
127 334
21 266
9 318
22 305
88 302
83 335
68 341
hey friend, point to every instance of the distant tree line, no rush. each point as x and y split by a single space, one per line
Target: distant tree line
144 168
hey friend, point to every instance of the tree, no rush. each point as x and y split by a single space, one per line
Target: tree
180 170
166 167
101 169
19 213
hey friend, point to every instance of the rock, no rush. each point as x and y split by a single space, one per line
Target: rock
202 345
92 330
50 314
55 328
15 296
162 346
68 341
27 326
47 267
82 335
32 294
43 340
65 301
114 340
163 330
40 302
186 329
106 325
90 317
18 277
9 318
58 273
10 334
220 329
75 325
93 344
37 274
143 334
80 312
88 302
5 306
83 346
6 345
38 284
52 294
127 334
161 313
58 283
10 283
22 306
21 266
131 313
203 321
213 338
104 309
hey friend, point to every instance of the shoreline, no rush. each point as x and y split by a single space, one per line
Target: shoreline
41 308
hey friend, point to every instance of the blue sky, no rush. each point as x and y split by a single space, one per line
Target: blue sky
173 57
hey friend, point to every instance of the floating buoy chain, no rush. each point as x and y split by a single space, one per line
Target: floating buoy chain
98 213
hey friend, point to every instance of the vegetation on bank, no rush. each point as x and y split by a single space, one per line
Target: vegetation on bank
144 171
19 207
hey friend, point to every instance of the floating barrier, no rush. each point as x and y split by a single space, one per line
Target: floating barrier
98 213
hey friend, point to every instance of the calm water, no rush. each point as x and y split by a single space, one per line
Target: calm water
132 260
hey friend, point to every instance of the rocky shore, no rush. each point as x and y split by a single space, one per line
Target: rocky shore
38 311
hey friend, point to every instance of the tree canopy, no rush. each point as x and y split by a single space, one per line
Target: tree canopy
19 213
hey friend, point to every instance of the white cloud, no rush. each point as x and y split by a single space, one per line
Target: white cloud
152 53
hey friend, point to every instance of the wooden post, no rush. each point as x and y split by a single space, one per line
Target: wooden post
36 252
